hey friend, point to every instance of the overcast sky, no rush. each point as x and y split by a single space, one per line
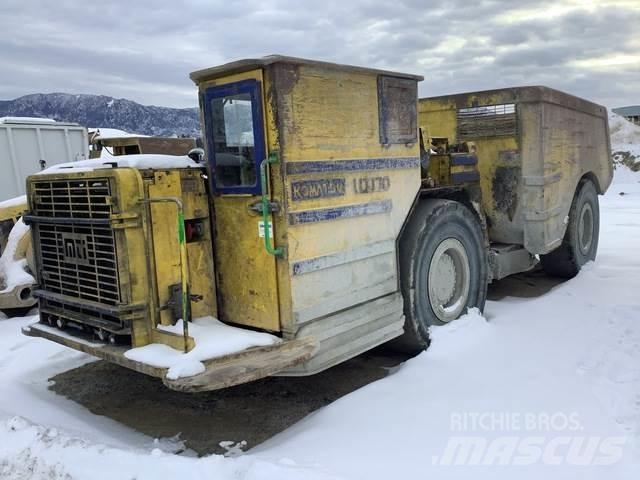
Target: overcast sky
144 50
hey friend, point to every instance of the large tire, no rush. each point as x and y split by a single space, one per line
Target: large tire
443 269
580 242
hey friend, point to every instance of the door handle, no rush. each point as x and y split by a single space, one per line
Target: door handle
264 176
274 207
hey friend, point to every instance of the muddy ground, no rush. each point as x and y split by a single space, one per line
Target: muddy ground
252 412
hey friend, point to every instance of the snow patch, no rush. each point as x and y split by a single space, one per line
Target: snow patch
141 161
37 120
32 451
13 272
14 202
108 133
624 134
233 449
213 339
458 335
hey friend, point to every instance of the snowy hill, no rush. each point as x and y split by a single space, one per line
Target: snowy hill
103 111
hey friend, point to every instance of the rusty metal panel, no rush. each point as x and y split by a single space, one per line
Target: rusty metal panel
397 110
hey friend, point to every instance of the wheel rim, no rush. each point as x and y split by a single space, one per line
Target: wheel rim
449 278
585 228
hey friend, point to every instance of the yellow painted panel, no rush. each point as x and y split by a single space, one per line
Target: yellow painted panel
321 238
280 238
166 248
334 115
438 117
324 115
246 272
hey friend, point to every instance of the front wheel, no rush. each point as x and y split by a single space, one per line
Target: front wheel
580 242
443 268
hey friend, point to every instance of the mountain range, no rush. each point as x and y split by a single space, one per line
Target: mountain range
103 111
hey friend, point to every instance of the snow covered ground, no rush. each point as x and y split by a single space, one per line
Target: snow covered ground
546 386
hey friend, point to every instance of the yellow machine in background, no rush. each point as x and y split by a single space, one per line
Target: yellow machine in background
136 145
10 212
16 258
328 213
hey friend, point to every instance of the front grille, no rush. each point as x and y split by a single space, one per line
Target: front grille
79 261
73 198
76 246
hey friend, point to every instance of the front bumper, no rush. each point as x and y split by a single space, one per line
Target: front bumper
221 372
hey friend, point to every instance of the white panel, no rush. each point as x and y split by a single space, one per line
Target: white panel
55 146
79 145
8 186
25 143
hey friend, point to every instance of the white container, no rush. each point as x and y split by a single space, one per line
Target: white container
26 142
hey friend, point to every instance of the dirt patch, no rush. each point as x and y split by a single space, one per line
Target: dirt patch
252 412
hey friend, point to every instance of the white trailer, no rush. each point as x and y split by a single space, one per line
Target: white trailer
28 144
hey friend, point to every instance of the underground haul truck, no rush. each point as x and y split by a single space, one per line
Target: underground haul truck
333 211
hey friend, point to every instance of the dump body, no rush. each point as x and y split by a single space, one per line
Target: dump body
534 144
26 142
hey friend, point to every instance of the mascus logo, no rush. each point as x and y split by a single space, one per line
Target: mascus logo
75 248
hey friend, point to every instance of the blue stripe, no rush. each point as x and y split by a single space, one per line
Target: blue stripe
321 166
335 213
464 177
463 159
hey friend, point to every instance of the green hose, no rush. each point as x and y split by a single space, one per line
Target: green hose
272 158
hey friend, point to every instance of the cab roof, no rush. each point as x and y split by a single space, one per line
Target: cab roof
247 64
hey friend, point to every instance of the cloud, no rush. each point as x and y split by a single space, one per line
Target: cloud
144 50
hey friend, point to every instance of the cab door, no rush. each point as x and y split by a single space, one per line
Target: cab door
235 136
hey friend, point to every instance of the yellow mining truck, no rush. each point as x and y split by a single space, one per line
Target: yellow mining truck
334 211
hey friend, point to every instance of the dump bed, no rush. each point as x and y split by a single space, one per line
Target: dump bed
534 144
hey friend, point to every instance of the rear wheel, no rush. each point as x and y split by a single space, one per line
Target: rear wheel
443 269
580 242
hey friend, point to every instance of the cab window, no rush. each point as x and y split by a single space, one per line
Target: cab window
235 136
